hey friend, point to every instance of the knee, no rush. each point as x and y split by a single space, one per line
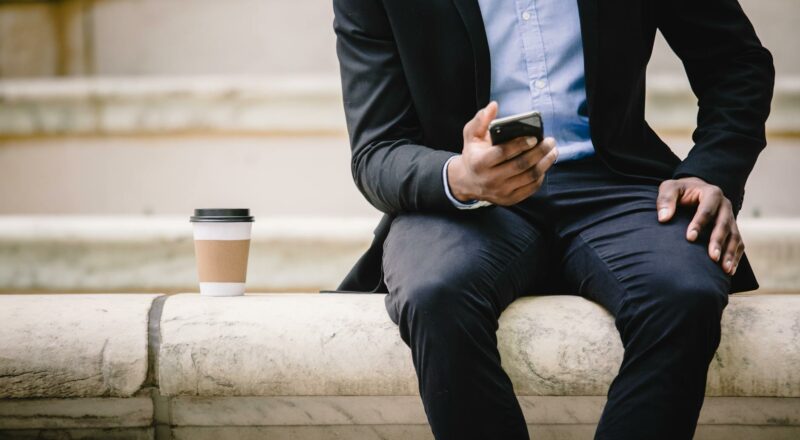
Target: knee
438 308
428 300
688 296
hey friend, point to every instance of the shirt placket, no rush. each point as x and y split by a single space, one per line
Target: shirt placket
535 60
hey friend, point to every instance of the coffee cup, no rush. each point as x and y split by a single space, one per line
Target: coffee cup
221 247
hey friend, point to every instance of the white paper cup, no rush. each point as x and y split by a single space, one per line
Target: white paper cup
222 247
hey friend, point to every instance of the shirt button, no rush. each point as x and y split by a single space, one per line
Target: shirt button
540 83
526 15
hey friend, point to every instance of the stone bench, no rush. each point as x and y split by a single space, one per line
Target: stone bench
333 366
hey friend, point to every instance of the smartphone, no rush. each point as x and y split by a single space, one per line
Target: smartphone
523 124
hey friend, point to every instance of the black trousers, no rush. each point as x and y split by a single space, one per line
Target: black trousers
451 276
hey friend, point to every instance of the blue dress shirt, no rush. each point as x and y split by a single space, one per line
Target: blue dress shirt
536 56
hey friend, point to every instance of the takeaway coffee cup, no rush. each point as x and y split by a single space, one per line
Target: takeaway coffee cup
221 247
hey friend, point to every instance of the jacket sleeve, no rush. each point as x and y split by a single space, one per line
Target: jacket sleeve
732 75
390 166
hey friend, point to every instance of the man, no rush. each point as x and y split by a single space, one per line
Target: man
610 213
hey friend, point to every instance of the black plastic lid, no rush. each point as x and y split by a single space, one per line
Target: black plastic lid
221 215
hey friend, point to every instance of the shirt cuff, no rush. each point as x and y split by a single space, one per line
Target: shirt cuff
472 204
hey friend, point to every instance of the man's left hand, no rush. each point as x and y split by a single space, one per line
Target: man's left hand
712 208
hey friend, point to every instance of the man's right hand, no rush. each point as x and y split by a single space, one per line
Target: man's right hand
503 174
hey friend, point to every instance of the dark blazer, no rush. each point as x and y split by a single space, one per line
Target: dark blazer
415 71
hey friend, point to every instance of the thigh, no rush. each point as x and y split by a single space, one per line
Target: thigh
491 254
626 256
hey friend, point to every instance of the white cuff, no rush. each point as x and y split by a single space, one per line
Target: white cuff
472 204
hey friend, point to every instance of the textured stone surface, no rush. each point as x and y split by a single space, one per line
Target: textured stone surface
108 412
760 350
379 432
73 345
286 366
422 432
291 345
559 345
81 434
282 345
287 253
407 410
732 432
296 410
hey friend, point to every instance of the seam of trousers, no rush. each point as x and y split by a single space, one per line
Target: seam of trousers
625 297
512 264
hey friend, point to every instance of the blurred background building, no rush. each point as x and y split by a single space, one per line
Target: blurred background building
129 113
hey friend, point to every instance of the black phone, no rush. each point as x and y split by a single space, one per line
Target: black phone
523 124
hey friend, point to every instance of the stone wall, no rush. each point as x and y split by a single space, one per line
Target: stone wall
333 366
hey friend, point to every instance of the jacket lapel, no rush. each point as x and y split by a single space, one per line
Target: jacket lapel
470 13
587 9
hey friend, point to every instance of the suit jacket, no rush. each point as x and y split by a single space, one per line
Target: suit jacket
415 71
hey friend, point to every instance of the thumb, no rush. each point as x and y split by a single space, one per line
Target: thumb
479 125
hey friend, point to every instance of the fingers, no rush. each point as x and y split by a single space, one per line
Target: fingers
720 234
498 154
536 172
523 192
527 159
738 257
733 250
507 191
710 199
668 193
478 126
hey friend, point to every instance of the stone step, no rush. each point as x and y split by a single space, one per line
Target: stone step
334 366
297 104
64 253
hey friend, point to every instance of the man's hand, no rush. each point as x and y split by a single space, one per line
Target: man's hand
503 174
712 206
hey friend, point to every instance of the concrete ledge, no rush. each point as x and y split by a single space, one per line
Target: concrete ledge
263 104
282 345
295 345
63 253
73 345
289 366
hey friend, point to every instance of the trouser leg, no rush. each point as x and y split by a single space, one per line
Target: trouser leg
667 297
449 278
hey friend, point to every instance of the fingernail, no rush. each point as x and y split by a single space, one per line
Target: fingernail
693 234
728 264
662 213
733 272
532 141
716 254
